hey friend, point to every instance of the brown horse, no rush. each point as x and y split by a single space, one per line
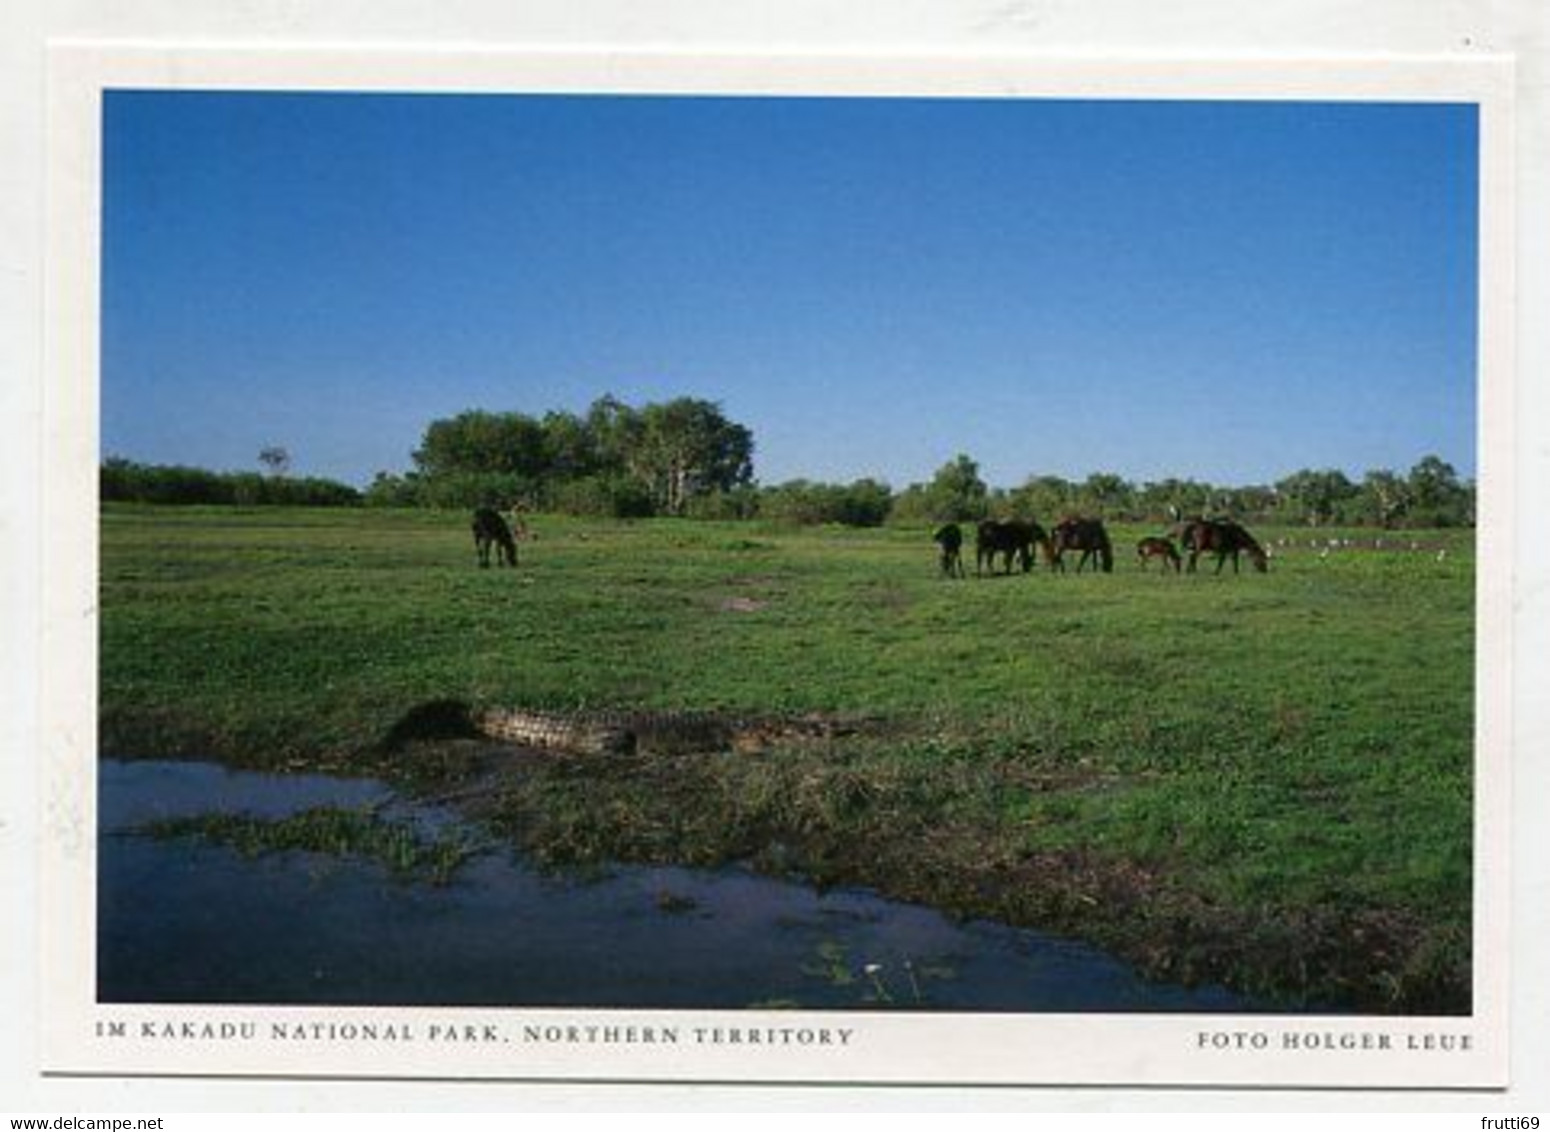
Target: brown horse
1086 535
1012 539
950 539
1224 538
491 530
1156 547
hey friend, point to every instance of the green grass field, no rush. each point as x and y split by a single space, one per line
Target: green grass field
1265 779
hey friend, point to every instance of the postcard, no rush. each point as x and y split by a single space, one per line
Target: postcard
865 569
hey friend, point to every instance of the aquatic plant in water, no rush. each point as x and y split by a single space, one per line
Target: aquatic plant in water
398 845
835 965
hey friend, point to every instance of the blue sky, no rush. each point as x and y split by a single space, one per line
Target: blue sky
1225 291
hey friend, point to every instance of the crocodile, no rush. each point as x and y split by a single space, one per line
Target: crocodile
666 732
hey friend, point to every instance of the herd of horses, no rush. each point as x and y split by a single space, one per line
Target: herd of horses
1007 542
1017 541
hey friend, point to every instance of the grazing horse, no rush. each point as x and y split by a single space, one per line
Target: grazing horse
1224 538
1030 535
990 539
491 530
1086 535
950 538
1155 547
1014 538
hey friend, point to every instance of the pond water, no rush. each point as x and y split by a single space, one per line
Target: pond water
183 921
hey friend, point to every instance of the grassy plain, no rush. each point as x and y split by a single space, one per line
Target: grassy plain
1261 779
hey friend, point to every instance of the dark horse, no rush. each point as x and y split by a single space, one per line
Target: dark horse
1223 538
1013 539
950 539
1149 548
490 530
1086 535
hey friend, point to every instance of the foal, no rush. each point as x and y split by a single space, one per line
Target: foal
1149 548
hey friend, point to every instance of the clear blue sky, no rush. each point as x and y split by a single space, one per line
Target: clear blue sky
1226 291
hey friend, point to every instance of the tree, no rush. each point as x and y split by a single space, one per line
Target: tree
1255 501
570 449
1437 496
1173 499
1047 498
863 503
1385 498
614 431
483 442
686 448
1316 496
956 493
1106 494
1434 484
276 459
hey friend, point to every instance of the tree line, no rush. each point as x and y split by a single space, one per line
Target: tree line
1430 494
686 458
127 481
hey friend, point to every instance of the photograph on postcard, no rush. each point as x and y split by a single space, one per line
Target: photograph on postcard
773 564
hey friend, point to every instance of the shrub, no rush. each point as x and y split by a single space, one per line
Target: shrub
123 480
605 496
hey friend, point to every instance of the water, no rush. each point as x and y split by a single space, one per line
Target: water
185 922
